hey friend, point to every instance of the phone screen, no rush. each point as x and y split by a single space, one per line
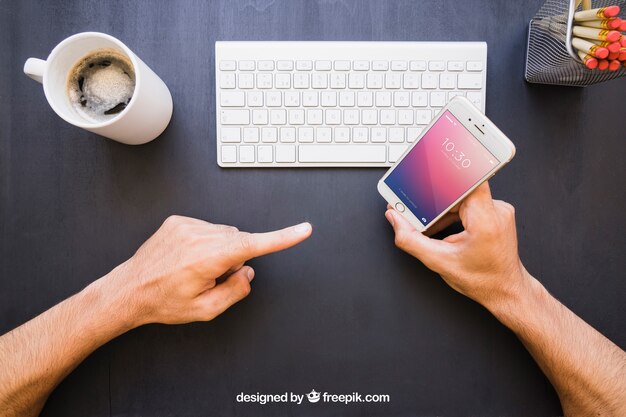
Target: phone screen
440 168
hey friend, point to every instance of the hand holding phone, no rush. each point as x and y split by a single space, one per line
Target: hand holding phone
457 152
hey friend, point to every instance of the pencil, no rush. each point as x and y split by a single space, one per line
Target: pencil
586 4
614 65
603 64
589 61
595 14
622 54
611 24
611 46
599 34
587 47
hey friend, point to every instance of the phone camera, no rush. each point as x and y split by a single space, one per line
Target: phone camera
470 119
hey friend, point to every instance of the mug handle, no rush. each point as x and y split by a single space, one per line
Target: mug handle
34 68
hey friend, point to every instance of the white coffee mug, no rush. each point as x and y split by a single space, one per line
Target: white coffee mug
145 117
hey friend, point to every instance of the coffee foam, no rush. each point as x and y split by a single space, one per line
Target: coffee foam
101 84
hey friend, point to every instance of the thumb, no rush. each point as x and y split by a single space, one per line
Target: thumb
414 242
235 288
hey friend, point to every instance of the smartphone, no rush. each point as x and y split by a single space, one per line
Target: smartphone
457 152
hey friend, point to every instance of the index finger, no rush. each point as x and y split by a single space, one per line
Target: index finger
245 246
477 205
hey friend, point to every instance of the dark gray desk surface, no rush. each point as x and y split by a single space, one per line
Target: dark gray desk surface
346 311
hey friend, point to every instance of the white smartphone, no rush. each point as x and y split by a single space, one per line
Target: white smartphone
457 152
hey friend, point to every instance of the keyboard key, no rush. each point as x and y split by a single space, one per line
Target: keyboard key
419 99
255 99
314 116
374 80
412 133
246 154
247 65
365 99
429 81
436 65
369 117
232 98
323 65
285 153
269 134
383 99
410 81
474 66
399 66
231 134
235 117
284 65
323 134
387 117
265 154
305 134
259 117
455 66
417 65
405 117
304 65
266 65
337 80
396 151
379 134
380 65
401 99
351 117
356 80
296 117
346 99
329 99
423 117
309 98
393 80
283 81
476 98
342 134
264 80
292 98
245 81
333 116
342 153
273 99
360 134
437 99
342 65
470 81
278 117
300 80
396 134
229 154
361 65
319 80
250 134
447 81
287 134
228 65
228 80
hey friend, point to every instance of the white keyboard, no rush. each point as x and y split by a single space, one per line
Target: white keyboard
304 104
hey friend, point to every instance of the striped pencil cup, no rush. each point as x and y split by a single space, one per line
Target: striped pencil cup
550 58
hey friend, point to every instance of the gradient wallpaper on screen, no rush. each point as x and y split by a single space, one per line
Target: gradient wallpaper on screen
441 167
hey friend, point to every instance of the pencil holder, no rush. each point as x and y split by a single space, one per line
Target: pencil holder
550 58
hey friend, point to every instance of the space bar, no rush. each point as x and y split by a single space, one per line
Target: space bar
342 153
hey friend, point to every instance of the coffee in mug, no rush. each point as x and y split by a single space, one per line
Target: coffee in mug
101 85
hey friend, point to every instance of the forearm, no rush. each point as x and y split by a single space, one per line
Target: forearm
36 356
587 370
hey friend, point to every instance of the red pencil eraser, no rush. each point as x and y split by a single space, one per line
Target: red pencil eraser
622 26
611 11
591 63
613 36
622 55
612 56
601 52
603 64
613 47
622 41
615 23
614 65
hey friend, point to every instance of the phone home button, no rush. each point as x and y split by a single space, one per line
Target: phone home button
400 207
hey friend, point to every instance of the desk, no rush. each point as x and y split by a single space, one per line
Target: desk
345 311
